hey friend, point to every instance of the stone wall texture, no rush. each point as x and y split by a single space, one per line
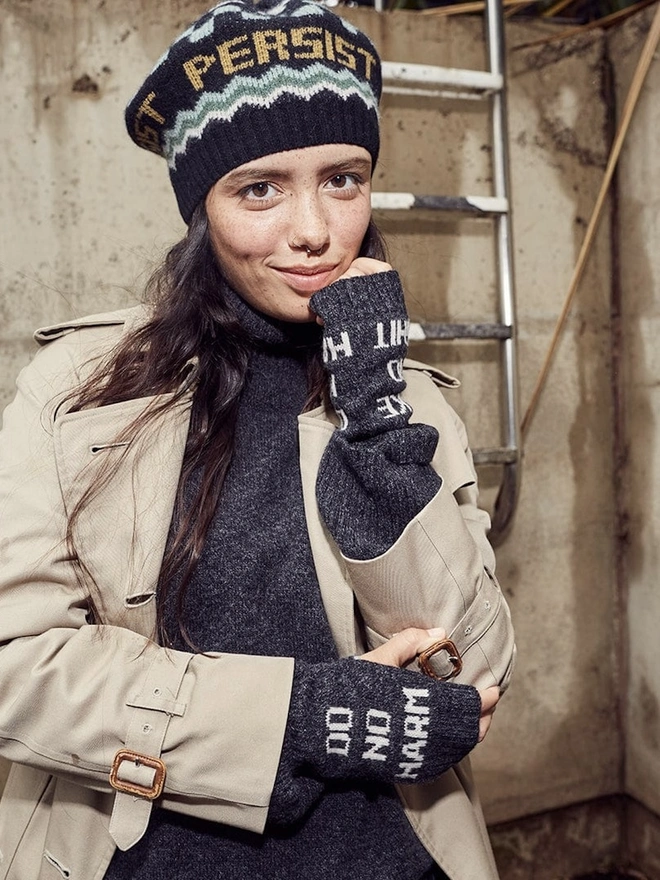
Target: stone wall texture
85 216
639 259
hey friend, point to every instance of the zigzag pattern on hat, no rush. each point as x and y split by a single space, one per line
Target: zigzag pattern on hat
255 77
261 92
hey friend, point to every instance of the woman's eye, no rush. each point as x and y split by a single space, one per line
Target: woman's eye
343 181
259 191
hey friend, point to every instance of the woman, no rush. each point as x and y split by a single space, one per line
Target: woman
215 509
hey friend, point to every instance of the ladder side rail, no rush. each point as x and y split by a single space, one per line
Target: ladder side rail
507 498
429 80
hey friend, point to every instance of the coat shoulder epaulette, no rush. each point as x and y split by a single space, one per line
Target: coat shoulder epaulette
127 318
442 379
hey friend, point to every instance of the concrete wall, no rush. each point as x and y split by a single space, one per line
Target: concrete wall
84 214
639 207
556 739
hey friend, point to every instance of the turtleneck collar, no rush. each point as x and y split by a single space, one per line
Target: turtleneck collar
271 331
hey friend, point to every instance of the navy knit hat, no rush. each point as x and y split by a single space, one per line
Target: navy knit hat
250 79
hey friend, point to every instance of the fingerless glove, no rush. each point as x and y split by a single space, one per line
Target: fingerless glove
365 338
353 719
374 477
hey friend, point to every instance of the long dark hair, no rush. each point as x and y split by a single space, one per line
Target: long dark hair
191 328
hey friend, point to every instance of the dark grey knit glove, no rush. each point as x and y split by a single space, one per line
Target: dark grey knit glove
374 477
353 719
295 792
368 491
365 338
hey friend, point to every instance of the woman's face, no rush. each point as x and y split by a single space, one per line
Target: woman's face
288 224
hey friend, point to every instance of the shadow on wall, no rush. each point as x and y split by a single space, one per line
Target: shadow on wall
617 875
637 535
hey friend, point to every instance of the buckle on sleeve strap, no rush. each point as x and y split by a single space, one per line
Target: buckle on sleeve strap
454 658
137 775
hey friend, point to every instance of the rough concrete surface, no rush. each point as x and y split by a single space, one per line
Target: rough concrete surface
611 838
642 844
85 214
561 843
556 738
639 204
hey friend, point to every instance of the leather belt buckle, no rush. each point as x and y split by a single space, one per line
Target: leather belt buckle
133 787
424 659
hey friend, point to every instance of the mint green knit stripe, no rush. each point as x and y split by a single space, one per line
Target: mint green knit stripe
263 92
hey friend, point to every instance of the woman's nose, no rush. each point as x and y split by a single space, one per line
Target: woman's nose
309 225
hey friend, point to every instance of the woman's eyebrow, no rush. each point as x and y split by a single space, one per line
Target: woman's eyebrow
250 175
242 176
357 163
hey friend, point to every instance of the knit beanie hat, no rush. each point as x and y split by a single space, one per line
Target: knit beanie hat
250 79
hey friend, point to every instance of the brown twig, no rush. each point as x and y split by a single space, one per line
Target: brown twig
470 6
555 8
641 71
598 23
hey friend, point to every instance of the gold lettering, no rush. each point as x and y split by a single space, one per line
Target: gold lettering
329 48
146 108
196 68
228 54
147 137
266 42
368 60
344 55
299 37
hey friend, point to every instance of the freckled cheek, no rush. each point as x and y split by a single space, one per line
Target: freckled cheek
353 230
257 241
242 250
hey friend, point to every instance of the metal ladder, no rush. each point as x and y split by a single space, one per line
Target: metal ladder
430 81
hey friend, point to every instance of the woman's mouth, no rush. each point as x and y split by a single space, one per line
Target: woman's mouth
308 279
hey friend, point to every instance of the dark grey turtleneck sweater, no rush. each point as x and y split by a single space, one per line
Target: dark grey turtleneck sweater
255 592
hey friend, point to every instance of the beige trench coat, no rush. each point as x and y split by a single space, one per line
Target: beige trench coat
73 694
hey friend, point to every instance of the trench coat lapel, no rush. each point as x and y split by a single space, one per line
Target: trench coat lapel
122 531
123 528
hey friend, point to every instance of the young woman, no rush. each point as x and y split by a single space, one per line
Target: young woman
217 508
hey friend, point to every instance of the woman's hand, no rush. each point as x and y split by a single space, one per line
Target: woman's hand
361 266
404 646
489 700
365 266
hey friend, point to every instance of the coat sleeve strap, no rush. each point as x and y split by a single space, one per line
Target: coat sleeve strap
138 774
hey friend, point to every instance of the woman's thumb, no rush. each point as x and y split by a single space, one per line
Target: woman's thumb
404 646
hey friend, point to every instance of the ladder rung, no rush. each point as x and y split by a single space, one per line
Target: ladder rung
427 79
496 455
473 205
419 332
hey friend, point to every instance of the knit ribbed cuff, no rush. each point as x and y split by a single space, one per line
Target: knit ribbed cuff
361 720
365 339
376 297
